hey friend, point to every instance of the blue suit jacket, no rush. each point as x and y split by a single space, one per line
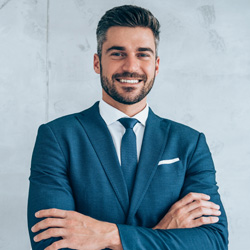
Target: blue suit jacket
75 167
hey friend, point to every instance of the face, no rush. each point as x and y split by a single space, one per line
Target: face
128 64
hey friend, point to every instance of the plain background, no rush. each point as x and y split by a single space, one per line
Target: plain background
46 71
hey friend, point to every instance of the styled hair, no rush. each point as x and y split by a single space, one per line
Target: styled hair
126 16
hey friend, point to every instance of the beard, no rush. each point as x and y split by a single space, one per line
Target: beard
110 87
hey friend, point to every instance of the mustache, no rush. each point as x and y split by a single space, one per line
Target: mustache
142 77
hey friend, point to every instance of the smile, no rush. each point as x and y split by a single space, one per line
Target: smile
129 81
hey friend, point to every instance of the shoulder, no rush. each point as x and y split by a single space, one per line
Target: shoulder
180 128
177 135
177 128
68 123
184 139
65 120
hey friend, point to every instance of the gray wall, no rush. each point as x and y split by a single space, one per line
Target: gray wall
46 54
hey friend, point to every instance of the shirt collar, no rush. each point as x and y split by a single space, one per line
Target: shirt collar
111 114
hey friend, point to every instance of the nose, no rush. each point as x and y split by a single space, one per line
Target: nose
131 64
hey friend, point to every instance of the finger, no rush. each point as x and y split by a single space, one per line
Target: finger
190 198
52 212
57 245
49 233
201 211
201 203
204 221
49 222
197 209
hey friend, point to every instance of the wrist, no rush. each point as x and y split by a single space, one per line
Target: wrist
113 238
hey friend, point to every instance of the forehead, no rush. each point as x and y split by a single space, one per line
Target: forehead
129 38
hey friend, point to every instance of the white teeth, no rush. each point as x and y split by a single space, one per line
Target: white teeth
128 81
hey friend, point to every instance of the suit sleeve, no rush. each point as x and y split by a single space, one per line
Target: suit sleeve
49 185
200 178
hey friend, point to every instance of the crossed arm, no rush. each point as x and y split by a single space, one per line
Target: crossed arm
194 212
83 232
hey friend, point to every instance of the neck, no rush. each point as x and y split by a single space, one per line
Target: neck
130 110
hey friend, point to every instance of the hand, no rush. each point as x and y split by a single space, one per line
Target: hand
189 212
77 231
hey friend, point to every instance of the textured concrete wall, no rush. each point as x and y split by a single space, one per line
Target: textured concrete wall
46 54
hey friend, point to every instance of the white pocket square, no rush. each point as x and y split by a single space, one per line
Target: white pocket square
168 161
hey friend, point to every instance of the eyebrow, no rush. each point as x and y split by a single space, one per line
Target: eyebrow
115 48
146 49
121 48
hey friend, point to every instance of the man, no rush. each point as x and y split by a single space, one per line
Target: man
97 183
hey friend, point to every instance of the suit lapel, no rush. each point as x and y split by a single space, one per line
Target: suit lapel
102 142
154 141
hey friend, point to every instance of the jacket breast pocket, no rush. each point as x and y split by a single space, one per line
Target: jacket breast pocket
169 175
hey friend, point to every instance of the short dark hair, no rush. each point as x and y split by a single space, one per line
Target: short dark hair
126 16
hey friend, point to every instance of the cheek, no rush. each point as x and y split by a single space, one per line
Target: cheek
149 70
109 69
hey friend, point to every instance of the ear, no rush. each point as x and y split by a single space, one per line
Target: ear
157 64
97 64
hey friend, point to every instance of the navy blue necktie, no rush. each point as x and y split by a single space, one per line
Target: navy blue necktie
128 152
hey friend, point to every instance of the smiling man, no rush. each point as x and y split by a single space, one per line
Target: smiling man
116 175
129 66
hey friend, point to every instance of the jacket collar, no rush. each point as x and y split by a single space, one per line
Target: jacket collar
154 142
155 137
102 142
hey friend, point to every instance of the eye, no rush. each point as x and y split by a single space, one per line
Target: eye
117 54
143 55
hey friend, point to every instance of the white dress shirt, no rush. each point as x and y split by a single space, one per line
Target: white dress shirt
111 116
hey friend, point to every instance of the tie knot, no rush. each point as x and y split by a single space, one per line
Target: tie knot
128 122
